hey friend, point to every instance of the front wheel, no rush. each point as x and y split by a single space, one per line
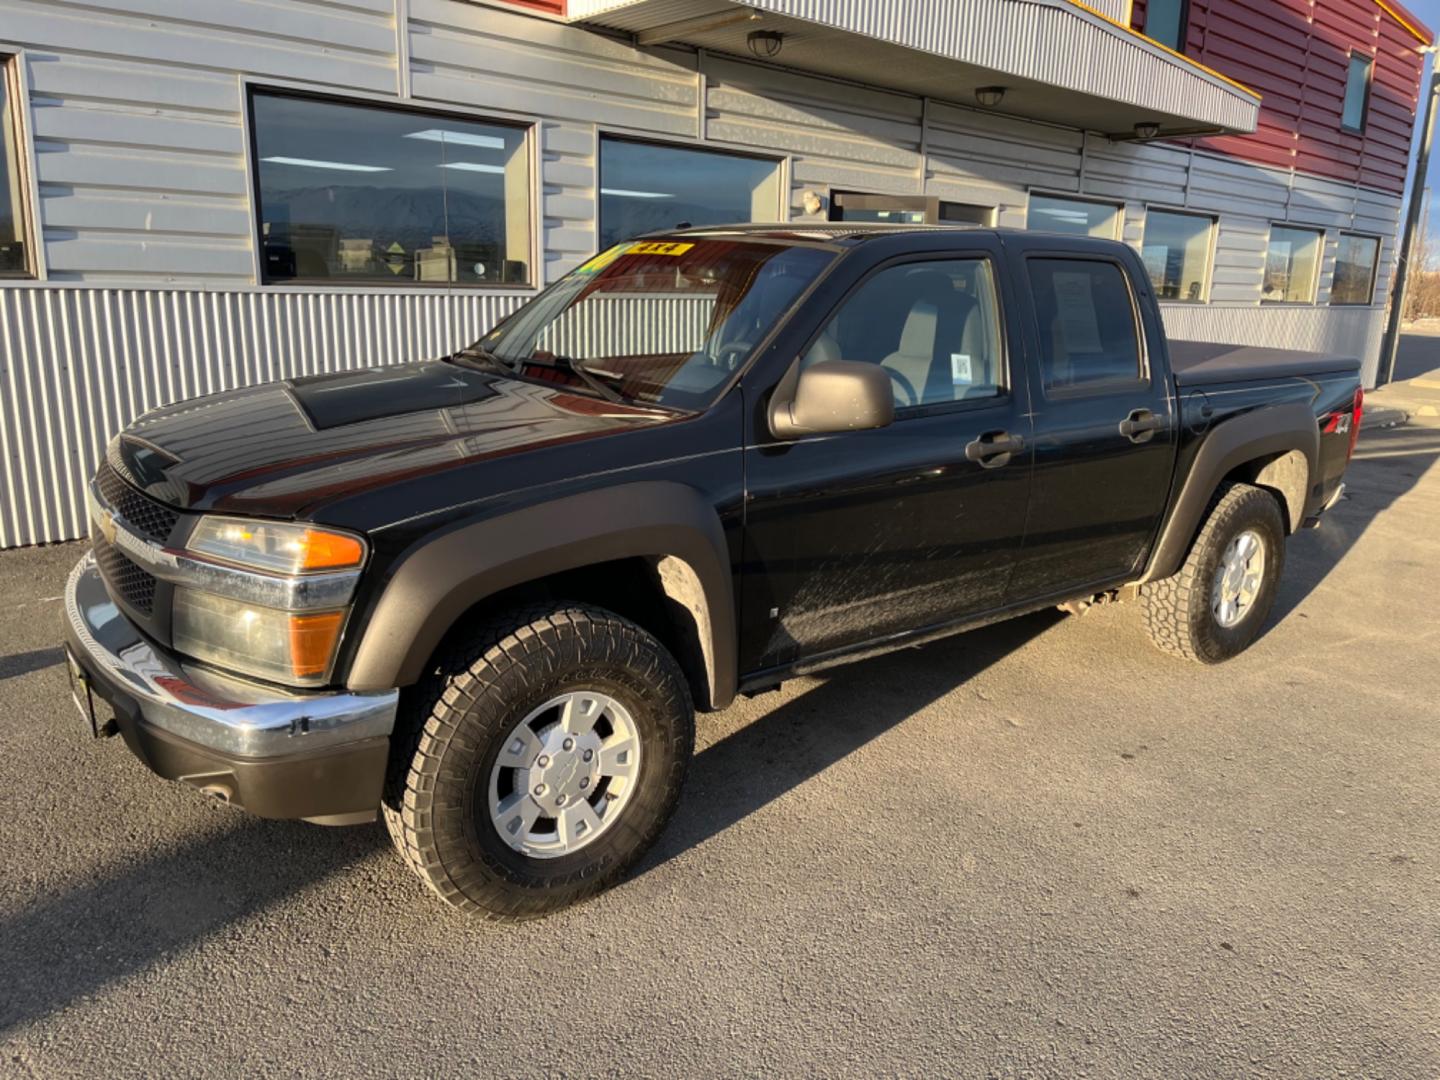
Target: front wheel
1216 605
539 761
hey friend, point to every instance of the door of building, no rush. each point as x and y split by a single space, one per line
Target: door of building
907 209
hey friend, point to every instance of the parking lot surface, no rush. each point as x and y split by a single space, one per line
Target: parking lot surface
1042 849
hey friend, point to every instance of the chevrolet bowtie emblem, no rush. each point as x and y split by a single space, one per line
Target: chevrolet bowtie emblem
106 523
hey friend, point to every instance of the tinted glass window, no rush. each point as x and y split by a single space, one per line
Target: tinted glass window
1075 216
1290 262
12 225
1087 326
661 321
1165 23
1357 92
1176 251
648 187
933 326
1355 260
356 193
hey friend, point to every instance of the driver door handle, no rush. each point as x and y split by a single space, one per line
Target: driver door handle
1140 426
994 449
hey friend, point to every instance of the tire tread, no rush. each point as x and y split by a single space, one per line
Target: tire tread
430 724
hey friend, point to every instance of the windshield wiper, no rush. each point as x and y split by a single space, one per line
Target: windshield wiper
484 356
591 377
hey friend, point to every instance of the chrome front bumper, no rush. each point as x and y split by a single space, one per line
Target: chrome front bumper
319 756
232 716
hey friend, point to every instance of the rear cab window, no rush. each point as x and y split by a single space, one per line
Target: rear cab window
1088 325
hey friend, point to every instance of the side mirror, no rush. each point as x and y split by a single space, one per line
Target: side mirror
833 395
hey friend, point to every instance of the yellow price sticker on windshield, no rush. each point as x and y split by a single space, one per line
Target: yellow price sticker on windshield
658 248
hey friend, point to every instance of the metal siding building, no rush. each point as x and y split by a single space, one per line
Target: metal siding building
148 279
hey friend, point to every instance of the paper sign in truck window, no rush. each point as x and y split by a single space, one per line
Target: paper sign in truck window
1075 306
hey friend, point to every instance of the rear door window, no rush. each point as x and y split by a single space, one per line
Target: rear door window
1089 333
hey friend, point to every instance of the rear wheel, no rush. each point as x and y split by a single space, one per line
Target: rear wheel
539 761
1216 605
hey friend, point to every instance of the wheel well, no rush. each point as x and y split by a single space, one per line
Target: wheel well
1286 476
649 591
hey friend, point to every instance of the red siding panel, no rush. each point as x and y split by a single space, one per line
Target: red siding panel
1296 54
554 7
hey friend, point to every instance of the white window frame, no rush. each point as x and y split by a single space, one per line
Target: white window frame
14 71
529 123
1210 242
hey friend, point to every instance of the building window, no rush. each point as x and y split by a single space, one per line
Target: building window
645 187
1176 251
1291 261
1165 22
1357 92
1089 340
1050 213
1355 262
365 194
14 254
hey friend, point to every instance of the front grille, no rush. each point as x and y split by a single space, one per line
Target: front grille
130 582
151 519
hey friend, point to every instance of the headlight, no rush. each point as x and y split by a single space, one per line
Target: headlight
269 598
283 646
275 546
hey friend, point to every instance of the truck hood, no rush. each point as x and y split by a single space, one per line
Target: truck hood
283 449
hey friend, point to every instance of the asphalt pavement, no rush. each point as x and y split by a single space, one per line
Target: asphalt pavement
1044 849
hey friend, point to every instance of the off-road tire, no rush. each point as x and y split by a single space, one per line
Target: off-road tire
1177 611
450 731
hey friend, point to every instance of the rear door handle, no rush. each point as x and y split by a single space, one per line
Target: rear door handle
994 448
1140 426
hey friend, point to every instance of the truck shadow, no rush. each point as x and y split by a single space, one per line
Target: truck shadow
1388 463
71 946
800 738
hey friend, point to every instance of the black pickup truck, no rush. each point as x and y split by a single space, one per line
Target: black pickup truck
484 595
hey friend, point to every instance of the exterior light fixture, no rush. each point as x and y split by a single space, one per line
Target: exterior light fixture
990 96
1147 129
766 44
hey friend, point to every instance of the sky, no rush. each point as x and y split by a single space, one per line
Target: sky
1428 12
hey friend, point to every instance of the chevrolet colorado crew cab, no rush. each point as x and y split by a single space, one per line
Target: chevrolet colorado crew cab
483 596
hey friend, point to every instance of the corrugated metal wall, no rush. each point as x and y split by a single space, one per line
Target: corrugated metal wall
148 233
77 365
624 325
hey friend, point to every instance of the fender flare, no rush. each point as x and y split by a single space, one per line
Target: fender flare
440 579
1271 432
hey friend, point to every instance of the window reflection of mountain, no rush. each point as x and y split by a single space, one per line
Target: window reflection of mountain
622 219
316 228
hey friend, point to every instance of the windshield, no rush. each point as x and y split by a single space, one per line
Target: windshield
660 322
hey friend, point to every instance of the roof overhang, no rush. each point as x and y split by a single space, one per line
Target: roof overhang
1060 61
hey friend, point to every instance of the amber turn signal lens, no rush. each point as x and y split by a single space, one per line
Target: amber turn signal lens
312 642
329 551
275 547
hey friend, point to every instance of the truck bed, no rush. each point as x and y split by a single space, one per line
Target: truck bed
1203 363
